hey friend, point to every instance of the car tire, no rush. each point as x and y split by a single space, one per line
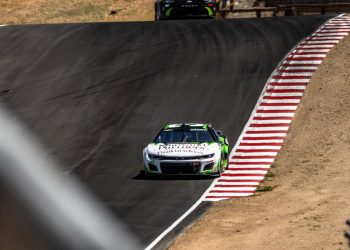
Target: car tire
157 12
223 156
226 157
218 173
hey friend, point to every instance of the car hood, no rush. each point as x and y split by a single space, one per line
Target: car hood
183 149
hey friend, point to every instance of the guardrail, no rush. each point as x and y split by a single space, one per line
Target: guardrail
62 208
285 9
222 13
274 3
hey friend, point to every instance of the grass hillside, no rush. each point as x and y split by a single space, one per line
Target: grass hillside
72 11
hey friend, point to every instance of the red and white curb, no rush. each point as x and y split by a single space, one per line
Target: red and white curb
263 135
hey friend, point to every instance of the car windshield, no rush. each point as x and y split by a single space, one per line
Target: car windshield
181 135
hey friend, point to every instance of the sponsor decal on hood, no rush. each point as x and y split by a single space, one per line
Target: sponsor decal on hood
185 149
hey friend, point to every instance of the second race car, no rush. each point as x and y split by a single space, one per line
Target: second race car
171 9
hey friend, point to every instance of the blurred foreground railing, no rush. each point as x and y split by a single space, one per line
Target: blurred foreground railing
58 203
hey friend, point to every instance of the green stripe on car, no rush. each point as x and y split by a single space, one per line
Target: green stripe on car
168 12
210 11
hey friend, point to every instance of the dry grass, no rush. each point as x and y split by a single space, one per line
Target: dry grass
72 11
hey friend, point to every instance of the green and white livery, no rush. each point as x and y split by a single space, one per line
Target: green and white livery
187 148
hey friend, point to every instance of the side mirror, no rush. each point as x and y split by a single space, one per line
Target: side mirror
218 132
223 137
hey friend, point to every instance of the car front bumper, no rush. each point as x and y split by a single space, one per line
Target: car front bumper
208 166
183 11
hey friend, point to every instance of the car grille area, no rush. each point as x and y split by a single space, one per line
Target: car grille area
152 167
180 168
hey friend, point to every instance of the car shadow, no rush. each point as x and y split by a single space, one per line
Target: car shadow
142 176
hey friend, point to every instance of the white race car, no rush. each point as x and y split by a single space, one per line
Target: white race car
187 149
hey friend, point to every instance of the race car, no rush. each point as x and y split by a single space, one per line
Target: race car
187 149
171 9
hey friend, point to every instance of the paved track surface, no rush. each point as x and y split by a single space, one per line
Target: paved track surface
96 94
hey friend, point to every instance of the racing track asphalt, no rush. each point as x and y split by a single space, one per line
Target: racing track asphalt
96 94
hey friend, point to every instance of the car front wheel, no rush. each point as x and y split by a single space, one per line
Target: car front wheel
157 12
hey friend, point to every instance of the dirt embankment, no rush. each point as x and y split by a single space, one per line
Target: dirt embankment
73 11
310 203
77 11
